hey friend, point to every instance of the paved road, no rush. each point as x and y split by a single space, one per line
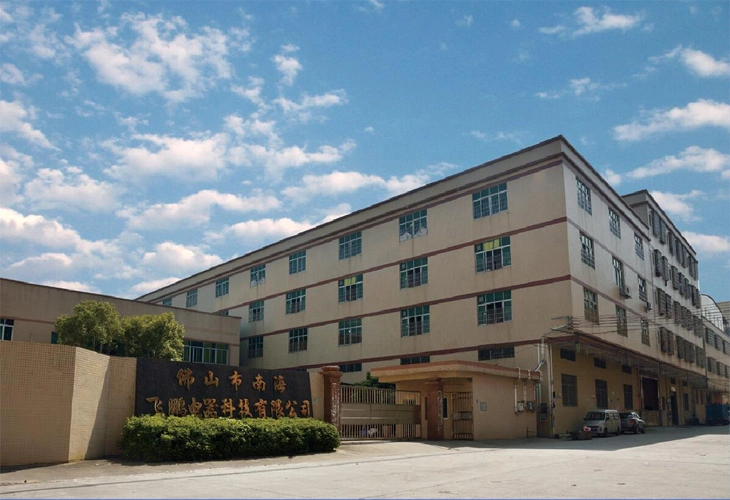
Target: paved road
663 463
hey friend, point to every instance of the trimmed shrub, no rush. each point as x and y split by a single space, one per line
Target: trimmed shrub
182 439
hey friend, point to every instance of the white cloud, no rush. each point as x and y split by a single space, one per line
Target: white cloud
678 204
252 92
369 130
169 257
194 210
516 24
515 136
584 88
72 285
277 159
696 61
333 184
302 109
465 21
553 30
375 6
72 189
693 158
14 119
10 74
16 227
613 178
195 159
257 232
162 58
698 114
12 167
146 287
707 243
589 20
288 66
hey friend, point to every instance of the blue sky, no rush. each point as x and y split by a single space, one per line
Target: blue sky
141 142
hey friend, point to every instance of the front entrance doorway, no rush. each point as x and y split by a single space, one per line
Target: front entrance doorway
462 416
675 411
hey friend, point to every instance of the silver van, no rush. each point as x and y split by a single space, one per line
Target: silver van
603 422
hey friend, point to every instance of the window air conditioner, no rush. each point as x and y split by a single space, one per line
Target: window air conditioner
625 292
648 306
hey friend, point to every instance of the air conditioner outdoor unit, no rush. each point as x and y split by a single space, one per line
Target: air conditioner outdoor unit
625 292
648 306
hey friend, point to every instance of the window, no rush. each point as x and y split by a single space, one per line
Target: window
221 287
191 299
414 273
628 397
223 312
298 340
350 245
622 327
298 262
614 222
256 311
686 401
570 390
586 251
256 348
167 302
351 368
599 362
349 289
258 275
6 329
496 353
490 201
415 321
618 272
590 305
296 301
645 332
568 354
642 289
626 369
494 307
639 246
601 394
205 352
415 360
584 196
350 331
413 225
493 254
54 337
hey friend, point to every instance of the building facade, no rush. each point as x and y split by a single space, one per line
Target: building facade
717 344
28 313
531 261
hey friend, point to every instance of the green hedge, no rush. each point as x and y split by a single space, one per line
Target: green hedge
179 439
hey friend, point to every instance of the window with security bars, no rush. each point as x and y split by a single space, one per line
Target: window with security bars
350 245
350 331
622 327
415 360
256 348
415 321
584 196
639 246
349 289
205 352
599 362
167 302
351 368
298 340
590 305
642 289
413 225
587 254
618 272
570 389
256 311
601 394
221 287
258 275
568 354
490 201
296 301
6 328
496 353
298 262
614 222
628 397
493 254
645 332
414 273
191 298
495 307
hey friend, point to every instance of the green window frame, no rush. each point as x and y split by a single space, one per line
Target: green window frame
614 222
167 302
570 389
205 352
258 275
350 331
191 298
298 262
493 254
415 360
256 311
414 273
413 225
296 301
350 245
622 326
221 287
351 368
298 340
590 305
495 307
489 201
496 353
349 289
255 347
415 321
6 328
584 196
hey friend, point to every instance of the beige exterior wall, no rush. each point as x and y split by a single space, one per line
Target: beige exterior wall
34 309
61 403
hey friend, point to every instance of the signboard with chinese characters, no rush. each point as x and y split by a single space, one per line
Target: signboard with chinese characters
212 391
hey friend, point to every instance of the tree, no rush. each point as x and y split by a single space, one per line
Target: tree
97 326
371 381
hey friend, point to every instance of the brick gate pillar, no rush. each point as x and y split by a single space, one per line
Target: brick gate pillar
434 409
332 376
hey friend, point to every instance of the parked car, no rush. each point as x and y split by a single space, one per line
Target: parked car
717 414
631 421
603 422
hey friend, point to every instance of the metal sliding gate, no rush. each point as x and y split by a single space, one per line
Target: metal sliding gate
462 416
372 413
